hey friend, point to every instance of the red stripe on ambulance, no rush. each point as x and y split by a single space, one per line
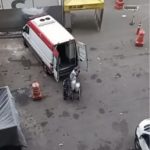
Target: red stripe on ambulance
41 35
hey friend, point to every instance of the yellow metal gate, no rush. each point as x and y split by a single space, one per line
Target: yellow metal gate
97 5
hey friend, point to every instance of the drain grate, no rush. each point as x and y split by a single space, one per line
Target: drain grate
131 7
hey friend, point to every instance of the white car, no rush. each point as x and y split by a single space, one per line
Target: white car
142 135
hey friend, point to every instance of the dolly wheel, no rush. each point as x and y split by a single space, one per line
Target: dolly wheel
65 98
78 97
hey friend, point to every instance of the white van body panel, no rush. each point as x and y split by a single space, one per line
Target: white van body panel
44 52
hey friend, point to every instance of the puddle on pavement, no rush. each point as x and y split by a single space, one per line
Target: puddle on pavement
81 108
99 80
93 48
116 47
101 111
49 113
44 123
22 96
64 114
94 76
76 116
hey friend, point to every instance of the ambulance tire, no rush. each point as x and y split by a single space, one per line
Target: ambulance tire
69 29
46 69
25 43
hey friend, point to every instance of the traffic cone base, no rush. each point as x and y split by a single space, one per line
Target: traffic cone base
139 44
36 93
37 97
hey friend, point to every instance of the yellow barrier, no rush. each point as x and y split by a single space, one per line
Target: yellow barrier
71 5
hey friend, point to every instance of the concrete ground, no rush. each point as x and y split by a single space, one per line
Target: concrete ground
115 90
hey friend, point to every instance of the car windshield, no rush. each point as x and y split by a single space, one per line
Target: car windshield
146 137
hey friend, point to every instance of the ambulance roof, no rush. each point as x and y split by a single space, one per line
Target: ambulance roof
51 29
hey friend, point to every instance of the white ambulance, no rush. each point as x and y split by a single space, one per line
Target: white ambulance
58 50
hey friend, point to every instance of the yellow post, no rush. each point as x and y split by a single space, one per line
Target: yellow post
71 5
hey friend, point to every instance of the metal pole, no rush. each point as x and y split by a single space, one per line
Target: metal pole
132 21
63 15
33 3
2 4
101 17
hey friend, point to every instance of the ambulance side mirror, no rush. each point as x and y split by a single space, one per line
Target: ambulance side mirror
26 29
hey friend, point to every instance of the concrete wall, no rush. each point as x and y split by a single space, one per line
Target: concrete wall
14 19
9 4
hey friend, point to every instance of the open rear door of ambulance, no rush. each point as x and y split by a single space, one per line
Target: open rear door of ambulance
55 65
82 56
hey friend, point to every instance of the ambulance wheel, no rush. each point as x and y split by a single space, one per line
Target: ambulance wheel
25 43
46 69
69 29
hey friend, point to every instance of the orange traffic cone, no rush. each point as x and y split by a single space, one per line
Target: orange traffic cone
138 29
36 92
119 4
140 38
